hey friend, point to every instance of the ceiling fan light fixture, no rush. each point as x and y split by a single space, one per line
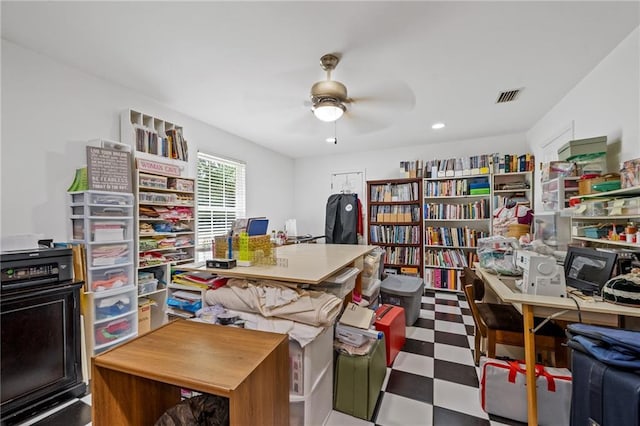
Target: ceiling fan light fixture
328 110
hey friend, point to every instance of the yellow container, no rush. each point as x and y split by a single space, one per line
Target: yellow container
259 245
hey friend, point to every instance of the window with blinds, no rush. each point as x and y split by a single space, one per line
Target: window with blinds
221 198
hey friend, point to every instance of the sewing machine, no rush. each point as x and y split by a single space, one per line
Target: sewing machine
541 275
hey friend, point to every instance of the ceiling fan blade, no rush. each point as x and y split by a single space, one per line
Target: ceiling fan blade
392 93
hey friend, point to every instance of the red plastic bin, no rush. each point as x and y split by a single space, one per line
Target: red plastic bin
390 319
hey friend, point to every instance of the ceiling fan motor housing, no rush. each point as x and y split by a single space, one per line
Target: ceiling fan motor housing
328 89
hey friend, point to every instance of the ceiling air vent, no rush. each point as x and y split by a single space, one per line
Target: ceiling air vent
508 96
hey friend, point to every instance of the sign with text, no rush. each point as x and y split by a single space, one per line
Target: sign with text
159 168
108 169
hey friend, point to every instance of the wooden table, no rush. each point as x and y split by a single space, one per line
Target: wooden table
135 383
602 313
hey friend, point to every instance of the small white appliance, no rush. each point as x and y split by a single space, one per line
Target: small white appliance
541 275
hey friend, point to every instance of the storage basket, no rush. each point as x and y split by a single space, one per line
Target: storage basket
259 247
517 230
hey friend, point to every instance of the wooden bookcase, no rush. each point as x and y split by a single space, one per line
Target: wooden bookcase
394 211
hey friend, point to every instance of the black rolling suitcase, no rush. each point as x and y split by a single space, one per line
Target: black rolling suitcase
606 377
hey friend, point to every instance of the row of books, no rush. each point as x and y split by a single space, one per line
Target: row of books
476 210
398 234
172 146
395 192
453 237
395 213
411 169
468 166
510 163
402 255
455 187
446 258
442 278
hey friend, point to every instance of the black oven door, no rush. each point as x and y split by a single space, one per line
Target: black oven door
40 347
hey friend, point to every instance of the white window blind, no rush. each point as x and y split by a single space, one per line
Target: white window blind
220 197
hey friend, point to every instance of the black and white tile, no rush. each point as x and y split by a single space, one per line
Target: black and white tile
432 381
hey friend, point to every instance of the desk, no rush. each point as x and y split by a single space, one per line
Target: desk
135 383
602 313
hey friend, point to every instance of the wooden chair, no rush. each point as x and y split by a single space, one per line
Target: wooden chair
502 323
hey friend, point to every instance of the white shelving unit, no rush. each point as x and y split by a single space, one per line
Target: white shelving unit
153 138
453 221
103 223
622 206
516 186
165 235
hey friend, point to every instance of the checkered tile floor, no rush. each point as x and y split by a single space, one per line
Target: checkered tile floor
432 381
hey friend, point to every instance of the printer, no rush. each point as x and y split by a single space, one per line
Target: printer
541 275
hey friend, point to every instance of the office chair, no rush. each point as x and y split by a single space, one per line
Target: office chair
502 323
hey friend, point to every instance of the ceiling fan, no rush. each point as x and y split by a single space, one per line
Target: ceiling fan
373 111
328 97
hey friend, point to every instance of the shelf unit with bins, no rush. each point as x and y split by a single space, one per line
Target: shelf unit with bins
165 235
394 210
610 208
454 219
103 223
557 192
153 138
516 186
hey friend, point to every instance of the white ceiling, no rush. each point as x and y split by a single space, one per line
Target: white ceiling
247 67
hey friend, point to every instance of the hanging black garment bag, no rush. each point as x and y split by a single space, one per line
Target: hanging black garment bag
341 220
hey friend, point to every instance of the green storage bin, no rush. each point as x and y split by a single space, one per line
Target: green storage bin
358 381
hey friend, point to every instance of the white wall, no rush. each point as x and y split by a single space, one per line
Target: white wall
313 175
50 111
605 102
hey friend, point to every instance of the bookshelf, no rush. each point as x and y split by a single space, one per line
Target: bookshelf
153 138
512 186
457 212
394 210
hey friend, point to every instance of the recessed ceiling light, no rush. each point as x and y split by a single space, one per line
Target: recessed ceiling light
437 126
332 140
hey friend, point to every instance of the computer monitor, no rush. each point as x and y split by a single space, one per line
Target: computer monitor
588 269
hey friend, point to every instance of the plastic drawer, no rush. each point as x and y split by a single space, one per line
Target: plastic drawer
111 332
109 254
307 363
314 408
153 181
180 184
112 304
147 286
110 278
111 199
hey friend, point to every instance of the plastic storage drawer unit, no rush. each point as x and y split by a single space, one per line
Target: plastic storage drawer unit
405 291
390 320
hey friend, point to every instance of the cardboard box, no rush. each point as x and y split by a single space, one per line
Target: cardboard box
144 316
582 146
630 173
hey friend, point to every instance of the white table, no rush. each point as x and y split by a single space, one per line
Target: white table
593 312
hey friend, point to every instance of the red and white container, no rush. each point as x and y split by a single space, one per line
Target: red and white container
503 391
